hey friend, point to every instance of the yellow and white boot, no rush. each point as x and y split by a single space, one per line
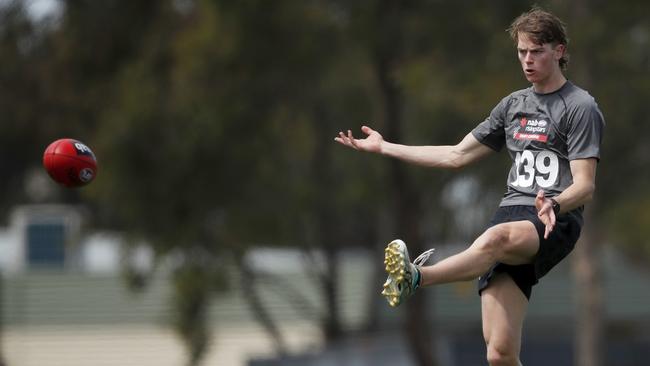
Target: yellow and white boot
403 276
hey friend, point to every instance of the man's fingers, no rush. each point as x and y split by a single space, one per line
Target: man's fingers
352 140
363 144
547 226
341 138
345 140
547 216
551 215
539 199
545 213
549 222
548 230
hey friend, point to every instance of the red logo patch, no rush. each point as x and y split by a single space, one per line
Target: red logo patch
531 136
534 129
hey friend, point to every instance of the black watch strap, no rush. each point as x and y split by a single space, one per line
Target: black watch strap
556 206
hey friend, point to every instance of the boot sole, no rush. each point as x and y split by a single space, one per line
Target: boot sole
395 268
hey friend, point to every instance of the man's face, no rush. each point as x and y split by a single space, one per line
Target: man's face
539 62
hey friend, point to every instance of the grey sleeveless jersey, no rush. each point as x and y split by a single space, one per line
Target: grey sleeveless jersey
542 133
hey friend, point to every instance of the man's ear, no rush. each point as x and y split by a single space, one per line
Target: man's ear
560 49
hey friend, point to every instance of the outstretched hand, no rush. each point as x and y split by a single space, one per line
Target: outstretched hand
372 143
545 212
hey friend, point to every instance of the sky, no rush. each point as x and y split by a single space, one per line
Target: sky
37 9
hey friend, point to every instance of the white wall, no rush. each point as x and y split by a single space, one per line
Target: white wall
10 253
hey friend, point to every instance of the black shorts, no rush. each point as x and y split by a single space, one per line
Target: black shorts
551 251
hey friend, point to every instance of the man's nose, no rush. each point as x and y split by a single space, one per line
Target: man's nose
528 58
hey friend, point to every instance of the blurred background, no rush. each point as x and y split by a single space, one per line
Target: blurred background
225 226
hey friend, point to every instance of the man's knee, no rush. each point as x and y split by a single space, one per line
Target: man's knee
502 356
493 241
511 243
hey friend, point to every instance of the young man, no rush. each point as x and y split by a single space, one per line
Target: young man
552 131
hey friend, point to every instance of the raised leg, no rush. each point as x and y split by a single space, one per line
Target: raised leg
511 243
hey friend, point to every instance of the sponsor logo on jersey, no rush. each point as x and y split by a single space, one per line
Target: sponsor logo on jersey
532 129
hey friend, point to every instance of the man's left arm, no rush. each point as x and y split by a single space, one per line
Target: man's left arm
576 195
583 187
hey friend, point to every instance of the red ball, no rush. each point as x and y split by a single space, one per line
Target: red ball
70 162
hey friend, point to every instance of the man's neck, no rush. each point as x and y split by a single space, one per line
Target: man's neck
550 85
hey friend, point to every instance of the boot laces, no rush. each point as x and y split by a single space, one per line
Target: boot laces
422 258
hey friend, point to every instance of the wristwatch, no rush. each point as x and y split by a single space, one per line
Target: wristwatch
556 206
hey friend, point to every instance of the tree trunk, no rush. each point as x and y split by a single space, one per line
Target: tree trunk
406 208
590 308
326 229
2 359
258 309
331 322
418 309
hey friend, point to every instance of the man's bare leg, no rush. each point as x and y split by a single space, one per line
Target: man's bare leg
511 243
503 307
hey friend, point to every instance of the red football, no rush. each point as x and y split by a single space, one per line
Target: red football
70 162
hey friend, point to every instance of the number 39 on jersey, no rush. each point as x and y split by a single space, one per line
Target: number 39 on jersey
535 167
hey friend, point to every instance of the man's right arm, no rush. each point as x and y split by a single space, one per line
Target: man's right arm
456 156
467 151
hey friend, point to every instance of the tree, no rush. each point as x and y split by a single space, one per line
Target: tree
218 93
590 313
22 46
